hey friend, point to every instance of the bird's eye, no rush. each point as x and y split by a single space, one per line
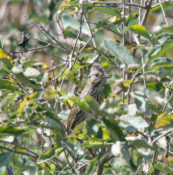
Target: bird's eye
97 75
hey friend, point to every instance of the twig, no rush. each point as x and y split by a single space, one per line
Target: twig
53 38
165 106
11 143
163 12
162 135
18 152
61 72
68 161
147 7
108 2
90 31
29 50
54 67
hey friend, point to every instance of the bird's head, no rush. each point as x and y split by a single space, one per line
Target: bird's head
97 75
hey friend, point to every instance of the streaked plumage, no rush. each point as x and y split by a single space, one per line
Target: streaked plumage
93 87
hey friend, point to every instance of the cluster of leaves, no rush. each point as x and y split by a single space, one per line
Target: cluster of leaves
123 136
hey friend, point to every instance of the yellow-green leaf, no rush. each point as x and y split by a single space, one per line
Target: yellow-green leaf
140 30
163 120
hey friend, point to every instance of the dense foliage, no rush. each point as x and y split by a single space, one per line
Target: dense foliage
42 75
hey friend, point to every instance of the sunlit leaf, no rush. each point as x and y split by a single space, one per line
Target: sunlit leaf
31 72
11 130
164 120
140 30
28 64
127 83
94 143
8 84
46 156
4 55
133 122
22 106
131 19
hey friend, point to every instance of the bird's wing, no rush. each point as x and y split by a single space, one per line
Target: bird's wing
76 116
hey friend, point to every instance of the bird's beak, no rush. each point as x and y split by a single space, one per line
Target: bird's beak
105 75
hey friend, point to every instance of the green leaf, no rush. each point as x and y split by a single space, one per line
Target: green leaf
114 129
51 115
46 156
141 144
132 18
8 101
26 82
167 6
155 86
28 64
82 104
161 50
141 101
92 103
8 84
92 126
163 168
164 120
69 21
92 143
109 11
120 51
4 72
140 30
5 158
6 63
161 62
11 130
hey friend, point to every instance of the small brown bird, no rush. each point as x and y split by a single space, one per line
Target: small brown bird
93 87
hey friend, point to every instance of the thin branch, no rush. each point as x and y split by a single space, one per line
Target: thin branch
69 161
53 38
18 152
90 31
108 2
29 50
147 7
11 143
163 12
162 135
165 106
54 67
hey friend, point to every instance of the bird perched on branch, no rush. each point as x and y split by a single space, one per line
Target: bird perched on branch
94 84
